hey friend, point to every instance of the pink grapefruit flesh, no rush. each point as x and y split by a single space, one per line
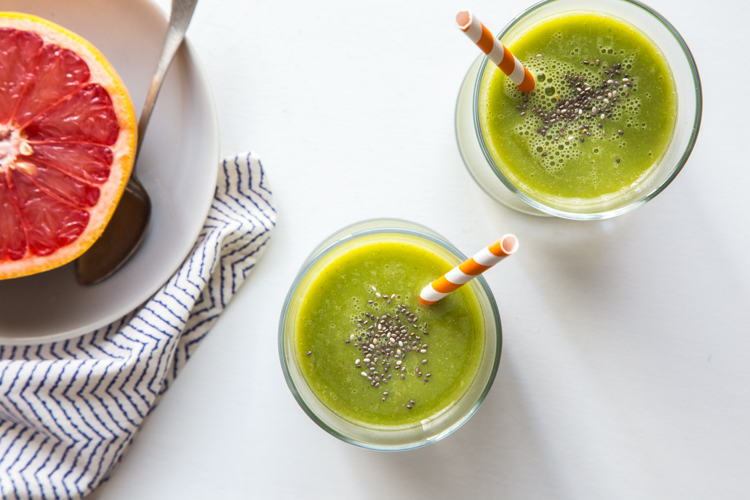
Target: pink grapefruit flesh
67 140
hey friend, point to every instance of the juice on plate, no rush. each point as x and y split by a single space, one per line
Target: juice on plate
365 357
601 117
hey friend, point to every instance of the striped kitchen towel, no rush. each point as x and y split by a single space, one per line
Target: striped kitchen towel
69 410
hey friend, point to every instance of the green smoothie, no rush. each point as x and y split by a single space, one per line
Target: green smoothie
600 118
366 347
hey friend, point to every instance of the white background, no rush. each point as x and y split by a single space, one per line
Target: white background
625 370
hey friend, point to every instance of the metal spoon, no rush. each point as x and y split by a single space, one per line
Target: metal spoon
124 233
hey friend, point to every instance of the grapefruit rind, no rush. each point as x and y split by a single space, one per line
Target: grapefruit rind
123 150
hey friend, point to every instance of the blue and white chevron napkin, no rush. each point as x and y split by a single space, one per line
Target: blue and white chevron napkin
69 410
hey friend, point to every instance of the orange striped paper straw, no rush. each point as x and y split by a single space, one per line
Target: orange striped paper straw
469 269
496 51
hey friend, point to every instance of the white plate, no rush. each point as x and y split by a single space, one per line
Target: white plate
178 166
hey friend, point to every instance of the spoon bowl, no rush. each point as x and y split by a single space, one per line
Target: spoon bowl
121 238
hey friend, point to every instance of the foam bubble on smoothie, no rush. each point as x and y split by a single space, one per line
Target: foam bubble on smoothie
574 107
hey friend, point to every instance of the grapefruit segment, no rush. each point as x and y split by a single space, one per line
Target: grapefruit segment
67 140
84 116
58 73
87 162
18 55
49 222
12 235
57 184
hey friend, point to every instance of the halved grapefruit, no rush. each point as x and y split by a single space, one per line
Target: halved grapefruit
67 143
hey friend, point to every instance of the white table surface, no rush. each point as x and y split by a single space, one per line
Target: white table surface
625 370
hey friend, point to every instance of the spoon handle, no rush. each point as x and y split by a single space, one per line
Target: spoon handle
179 19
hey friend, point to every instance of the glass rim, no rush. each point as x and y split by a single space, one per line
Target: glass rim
635 203
315 258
